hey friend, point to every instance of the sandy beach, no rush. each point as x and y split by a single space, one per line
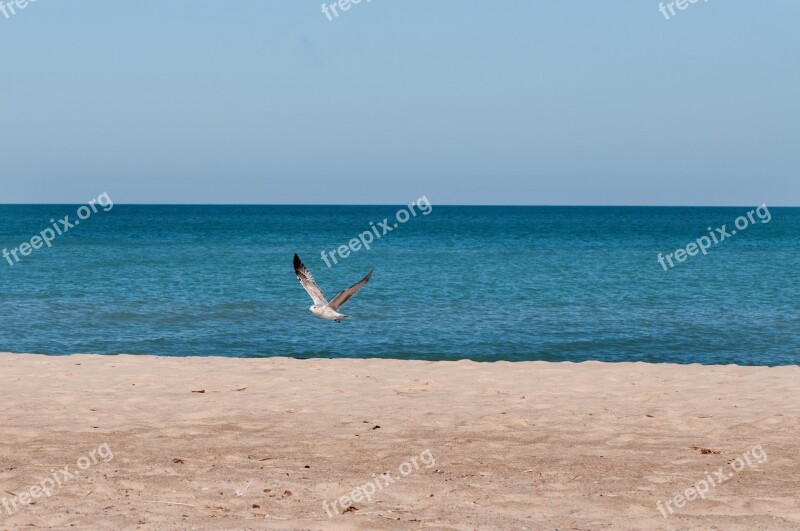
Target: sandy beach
214 443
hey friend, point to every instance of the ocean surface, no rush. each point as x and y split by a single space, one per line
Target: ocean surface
485 283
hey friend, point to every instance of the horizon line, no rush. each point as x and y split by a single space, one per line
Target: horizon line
403 204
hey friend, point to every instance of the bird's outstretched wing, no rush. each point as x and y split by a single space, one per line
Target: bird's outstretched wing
339 300
308 283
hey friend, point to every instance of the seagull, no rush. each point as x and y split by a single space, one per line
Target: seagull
322 308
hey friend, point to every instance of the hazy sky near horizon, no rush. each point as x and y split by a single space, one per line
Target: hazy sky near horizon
467 102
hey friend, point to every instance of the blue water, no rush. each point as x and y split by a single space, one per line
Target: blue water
486 283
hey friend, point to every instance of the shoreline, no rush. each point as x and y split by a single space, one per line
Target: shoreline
403 360
287 443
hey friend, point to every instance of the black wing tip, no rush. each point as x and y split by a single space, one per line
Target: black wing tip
297 262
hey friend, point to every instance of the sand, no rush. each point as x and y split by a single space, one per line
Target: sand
215 443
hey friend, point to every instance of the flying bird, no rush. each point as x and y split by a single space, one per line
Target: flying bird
322 308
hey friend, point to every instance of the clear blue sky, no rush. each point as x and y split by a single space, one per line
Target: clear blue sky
467 102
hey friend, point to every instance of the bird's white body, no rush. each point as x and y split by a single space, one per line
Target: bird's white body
325 312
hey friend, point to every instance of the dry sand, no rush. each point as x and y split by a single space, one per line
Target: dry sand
529 445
